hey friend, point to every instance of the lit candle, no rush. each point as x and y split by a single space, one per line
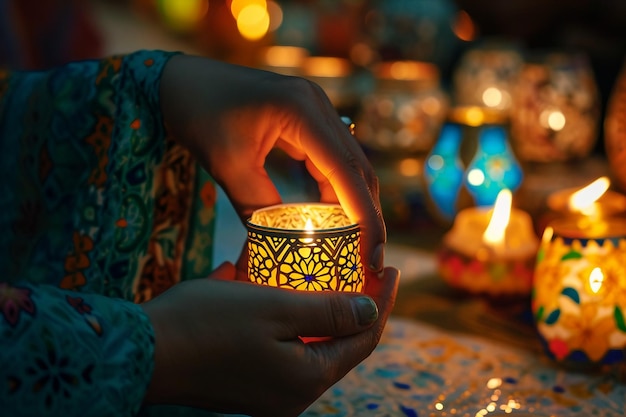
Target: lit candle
310 247
490 250
587 205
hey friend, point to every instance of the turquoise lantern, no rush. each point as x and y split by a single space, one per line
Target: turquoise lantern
471 162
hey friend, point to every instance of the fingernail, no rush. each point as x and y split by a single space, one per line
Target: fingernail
365 309
378 257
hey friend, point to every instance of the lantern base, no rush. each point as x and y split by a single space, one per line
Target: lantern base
613 360
500 280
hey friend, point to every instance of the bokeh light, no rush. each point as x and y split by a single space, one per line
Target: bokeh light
253 22
236 6
464 27
183 15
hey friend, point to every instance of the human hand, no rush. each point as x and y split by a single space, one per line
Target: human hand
234 347
230 117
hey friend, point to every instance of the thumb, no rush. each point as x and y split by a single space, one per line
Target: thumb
327 314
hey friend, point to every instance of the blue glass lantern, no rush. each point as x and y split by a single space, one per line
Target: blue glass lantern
471 162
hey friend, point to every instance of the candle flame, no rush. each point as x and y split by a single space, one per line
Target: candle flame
548 232
583 200
500 216
308 229
596 278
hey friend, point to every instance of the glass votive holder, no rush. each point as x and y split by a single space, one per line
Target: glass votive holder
486 75
305 246
556 109
470 163
579 293
404 111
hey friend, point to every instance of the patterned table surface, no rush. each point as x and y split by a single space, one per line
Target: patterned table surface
445 354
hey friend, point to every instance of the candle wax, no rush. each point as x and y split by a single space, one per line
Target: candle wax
466 235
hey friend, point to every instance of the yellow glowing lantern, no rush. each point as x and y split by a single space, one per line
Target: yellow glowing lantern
310 247
490 251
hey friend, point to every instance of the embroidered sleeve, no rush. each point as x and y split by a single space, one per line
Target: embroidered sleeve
81 147
70 354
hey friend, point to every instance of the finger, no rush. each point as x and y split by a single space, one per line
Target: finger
249 190
340 355
341 161
327 192
383 291
323 314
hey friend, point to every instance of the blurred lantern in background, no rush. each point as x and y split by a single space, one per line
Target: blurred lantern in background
556 109
405 111
471 162
486 76
397 124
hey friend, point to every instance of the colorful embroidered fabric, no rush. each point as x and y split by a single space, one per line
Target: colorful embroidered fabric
97 213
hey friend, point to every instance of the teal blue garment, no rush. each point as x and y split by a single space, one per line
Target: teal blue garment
91 226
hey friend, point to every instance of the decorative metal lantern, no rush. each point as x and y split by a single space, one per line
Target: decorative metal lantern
310 247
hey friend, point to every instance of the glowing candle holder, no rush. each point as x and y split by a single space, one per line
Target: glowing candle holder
579 297
490 251
584 205
309 247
